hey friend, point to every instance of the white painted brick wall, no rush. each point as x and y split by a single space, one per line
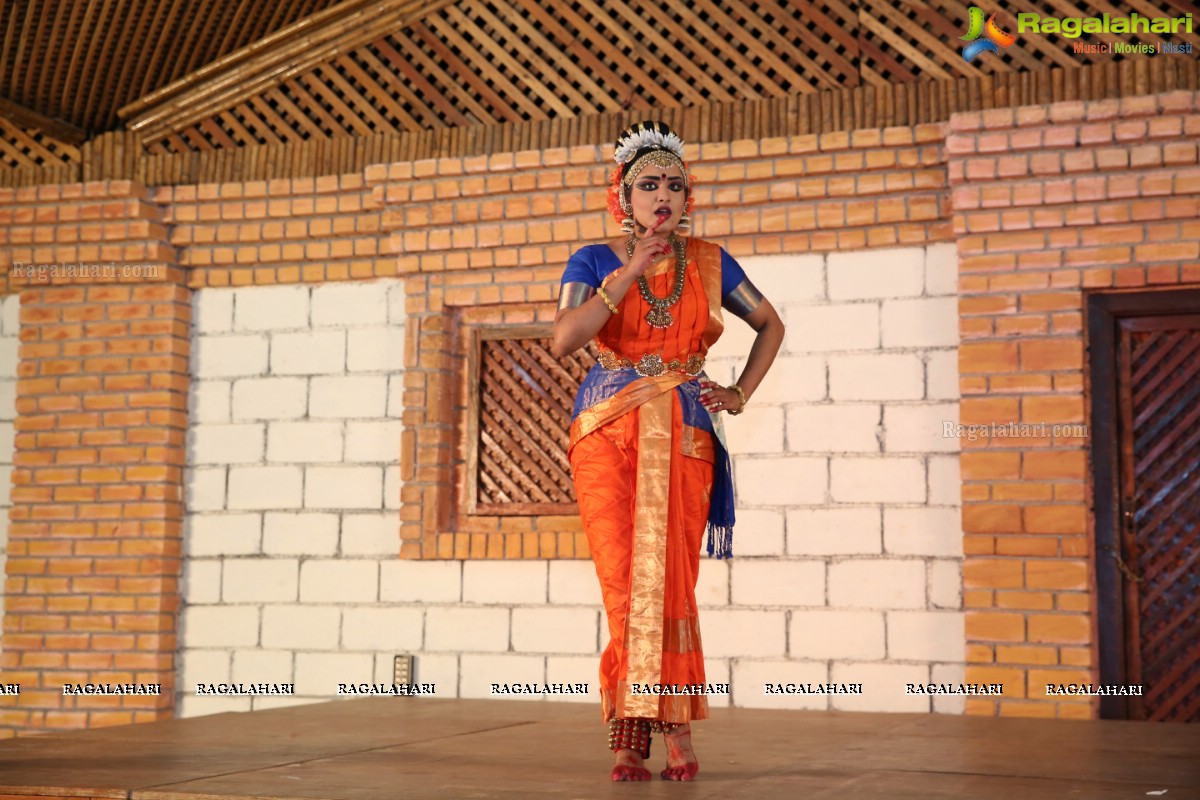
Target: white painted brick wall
923 531
575 670
718 671
308 353
921 322
834 428
318 674
867 373
508 582
227 444
260 580
301 627
264 487
10 329
223 534
371 534
897 272
762 481
420 581
574 583
890 479
221 626
268 308
305 442
848 542
729 633
749 678
876 376
877 583
288 529
712 585
919 428
229 356
348 396
286 533
833 327
834 635
350 305
269 398
270 666
201 581
339 581
480 671
925 635
760 532
375 349
778 583
468 629
883 687
343 486
210 401
833 531
396 630
555 630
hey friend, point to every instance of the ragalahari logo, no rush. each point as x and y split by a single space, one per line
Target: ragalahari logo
993 37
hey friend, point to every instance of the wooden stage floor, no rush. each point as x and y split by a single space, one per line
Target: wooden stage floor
384 749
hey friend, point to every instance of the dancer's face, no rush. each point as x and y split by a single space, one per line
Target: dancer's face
658 191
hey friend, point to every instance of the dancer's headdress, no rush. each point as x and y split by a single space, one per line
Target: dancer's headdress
641 145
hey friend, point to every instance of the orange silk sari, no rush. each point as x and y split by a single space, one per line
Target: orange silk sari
643 479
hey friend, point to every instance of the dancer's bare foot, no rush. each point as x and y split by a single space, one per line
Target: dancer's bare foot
629 767
682 764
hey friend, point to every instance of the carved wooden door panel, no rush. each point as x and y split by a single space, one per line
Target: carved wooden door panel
1158 379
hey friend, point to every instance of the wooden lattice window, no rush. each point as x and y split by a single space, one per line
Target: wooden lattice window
518 423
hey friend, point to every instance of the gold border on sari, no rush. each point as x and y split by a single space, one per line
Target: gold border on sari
644 625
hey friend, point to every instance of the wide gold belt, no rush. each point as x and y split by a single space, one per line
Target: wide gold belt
652 364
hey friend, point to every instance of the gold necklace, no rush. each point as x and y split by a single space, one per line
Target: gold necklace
658 316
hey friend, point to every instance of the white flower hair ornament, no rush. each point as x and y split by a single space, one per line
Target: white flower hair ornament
635 140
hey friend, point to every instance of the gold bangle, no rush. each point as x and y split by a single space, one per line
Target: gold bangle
604 296
741 396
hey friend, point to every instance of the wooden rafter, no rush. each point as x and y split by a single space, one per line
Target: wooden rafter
55 128
293 51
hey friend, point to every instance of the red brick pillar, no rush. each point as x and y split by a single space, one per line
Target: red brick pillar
95 537
1050 203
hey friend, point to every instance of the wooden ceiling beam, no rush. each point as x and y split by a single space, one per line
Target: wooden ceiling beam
54 128
292 51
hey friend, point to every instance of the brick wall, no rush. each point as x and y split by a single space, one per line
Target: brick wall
288 383
91 593
1051 203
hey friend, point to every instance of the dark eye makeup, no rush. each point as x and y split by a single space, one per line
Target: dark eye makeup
650 185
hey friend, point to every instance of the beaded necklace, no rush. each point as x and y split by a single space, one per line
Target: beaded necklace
658 316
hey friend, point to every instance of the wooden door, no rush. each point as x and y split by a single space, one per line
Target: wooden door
1153 547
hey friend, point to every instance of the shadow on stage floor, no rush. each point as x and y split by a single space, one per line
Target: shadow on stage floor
383 749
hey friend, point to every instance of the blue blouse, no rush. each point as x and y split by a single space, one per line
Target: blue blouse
591 263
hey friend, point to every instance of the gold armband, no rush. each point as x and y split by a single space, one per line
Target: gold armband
604 296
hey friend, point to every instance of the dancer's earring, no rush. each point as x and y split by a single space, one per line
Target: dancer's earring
685 223
627 225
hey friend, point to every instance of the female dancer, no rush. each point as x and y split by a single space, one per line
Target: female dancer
647 450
